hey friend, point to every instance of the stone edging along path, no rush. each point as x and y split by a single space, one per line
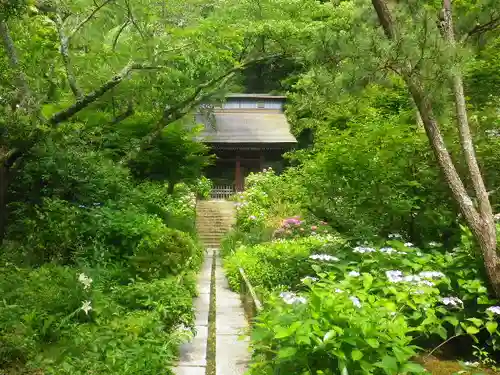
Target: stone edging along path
227 321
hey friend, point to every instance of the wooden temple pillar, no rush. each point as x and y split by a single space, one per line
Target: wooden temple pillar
238 176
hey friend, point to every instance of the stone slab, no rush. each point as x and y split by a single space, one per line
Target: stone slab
204 288
225 321
202 302
190 370
194 353
232 356
201 318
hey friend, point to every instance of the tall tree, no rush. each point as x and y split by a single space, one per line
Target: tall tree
480 217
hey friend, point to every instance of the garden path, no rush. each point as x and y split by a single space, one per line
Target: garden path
220 319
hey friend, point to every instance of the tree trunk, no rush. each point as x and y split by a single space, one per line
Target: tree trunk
480 222
171 187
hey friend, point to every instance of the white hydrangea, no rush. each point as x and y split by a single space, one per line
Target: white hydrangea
363 249
355 301
387 250
431 275
494 309
395 236
394 276
325 257
309 278
291 298
408 244
354 274
452 301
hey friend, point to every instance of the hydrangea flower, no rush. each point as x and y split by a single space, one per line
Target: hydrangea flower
387 250
86 307
426 283
339 290
431 275
326 257
353 274
85 280
394 276
363 249
355 301
291 298
395 236
412 279
433 244
309 278
408 244
494 309
452 301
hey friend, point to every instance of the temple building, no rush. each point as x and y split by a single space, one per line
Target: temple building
247 133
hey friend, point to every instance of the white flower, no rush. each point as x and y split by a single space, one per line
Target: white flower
426 283
388 250
394 276
433 244
412 279
431 275
354 273
402 252
86 307
452 301
395 235
494 310
339 290
324 257
291 298
309 278
419 253
86 281
363 249
408 244
355 301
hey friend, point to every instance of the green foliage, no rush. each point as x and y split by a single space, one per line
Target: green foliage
165 253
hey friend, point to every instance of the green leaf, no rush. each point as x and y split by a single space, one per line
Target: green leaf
389 365
356 355
471 330
491 327
282 332
286 352
329 335
477 322
413 368
373 343
367 280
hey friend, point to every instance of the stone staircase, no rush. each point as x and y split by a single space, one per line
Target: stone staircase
214 218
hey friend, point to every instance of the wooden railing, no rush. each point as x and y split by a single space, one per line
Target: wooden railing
222 192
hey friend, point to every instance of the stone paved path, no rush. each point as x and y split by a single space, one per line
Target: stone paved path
232 354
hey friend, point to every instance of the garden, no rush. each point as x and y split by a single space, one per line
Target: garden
374 252
333 304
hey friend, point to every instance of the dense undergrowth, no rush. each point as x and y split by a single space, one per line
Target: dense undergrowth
336 305
97 273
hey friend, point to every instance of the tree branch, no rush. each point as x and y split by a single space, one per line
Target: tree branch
88 18
119 32
22 80
65 41
483 28
431 125
463 124
90 98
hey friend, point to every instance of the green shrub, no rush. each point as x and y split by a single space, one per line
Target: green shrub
165 253
132 343
407 296
36 306
170 298
278 263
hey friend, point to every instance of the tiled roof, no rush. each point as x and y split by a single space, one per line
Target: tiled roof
251 126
